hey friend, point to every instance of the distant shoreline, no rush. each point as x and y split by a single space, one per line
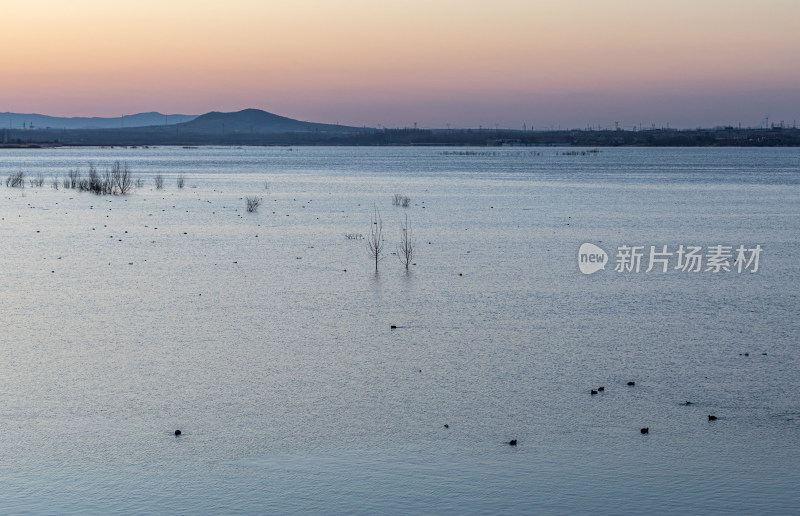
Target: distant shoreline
140 137
254 127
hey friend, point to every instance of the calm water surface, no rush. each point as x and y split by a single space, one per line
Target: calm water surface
125 318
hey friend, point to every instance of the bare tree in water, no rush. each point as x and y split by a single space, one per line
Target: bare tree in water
405 249
375 236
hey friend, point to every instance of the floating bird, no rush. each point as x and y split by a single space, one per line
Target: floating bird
446 425
712 418
631 383
512 442
601 389
177 432
645 430
594 391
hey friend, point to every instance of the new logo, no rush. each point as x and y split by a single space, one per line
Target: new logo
591 258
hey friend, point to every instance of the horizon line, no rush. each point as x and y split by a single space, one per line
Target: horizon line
765 123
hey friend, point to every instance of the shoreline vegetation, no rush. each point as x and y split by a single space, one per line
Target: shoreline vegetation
252 127
774 137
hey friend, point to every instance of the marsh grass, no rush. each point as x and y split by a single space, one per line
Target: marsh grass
401 200
37 181
116 180
252 203
16 180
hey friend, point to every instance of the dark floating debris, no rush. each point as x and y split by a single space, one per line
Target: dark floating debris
645 430
512 442
631 384
712 418
177 432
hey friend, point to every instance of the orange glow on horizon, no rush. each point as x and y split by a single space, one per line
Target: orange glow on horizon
103 58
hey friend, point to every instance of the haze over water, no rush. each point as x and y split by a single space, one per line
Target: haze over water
128 317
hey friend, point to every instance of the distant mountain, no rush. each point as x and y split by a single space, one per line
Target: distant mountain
35 121
256 121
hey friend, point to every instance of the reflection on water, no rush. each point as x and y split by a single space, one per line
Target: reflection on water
126 318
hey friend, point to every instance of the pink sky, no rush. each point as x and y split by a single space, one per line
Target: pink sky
466 63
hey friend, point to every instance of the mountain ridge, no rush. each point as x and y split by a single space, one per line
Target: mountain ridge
10 120
257 121
250 120
248 126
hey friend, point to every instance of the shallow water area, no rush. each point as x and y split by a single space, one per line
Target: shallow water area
266 337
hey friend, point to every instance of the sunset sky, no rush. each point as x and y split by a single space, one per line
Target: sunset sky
568 63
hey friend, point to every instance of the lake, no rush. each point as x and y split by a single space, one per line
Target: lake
267 337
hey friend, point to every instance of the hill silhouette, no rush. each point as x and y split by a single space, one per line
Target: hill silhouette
37 121
256 121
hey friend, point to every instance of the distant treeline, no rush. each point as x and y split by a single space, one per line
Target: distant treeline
728 136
